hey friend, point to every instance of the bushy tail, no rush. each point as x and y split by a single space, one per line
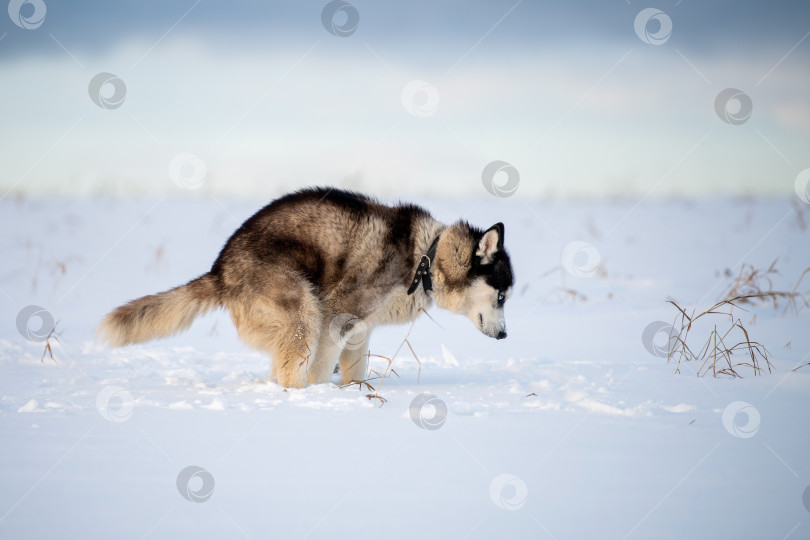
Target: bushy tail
159 315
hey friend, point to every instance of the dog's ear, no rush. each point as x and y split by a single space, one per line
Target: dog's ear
490 243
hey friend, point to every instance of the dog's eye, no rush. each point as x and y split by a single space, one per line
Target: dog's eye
501 298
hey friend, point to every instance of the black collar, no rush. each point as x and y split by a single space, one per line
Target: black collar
423 269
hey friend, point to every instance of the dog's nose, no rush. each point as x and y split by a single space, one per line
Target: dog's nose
501 335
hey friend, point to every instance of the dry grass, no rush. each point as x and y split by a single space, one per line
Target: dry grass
728 348
155 264
726 351
795 298
56 269
304 359
48 351
753 285
562 293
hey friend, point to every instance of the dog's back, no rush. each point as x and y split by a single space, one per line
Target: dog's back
344 244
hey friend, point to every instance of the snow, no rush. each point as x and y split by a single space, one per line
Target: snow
569 428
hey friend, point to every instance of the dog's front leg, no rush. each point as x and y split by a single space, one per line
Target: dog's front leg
354 362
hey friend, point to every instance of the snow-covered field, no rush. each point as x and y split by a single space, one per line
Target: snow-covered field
572 427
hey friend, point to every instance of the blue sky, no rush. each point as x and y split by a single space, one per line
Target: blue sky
268 99
701 27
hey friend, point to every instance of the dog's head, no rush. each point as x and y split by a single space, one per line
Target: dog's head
474 274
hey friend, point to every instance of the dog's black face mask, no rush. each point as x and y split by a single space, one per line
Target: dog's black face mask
492 281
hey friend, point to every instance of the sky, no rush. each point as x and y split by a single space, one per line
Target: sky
252 99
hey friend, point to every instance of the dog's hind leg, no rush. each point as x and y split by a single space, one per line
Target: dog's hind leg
285 324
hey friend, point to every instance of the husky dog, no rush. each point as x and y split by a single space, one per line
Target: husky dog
309 275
